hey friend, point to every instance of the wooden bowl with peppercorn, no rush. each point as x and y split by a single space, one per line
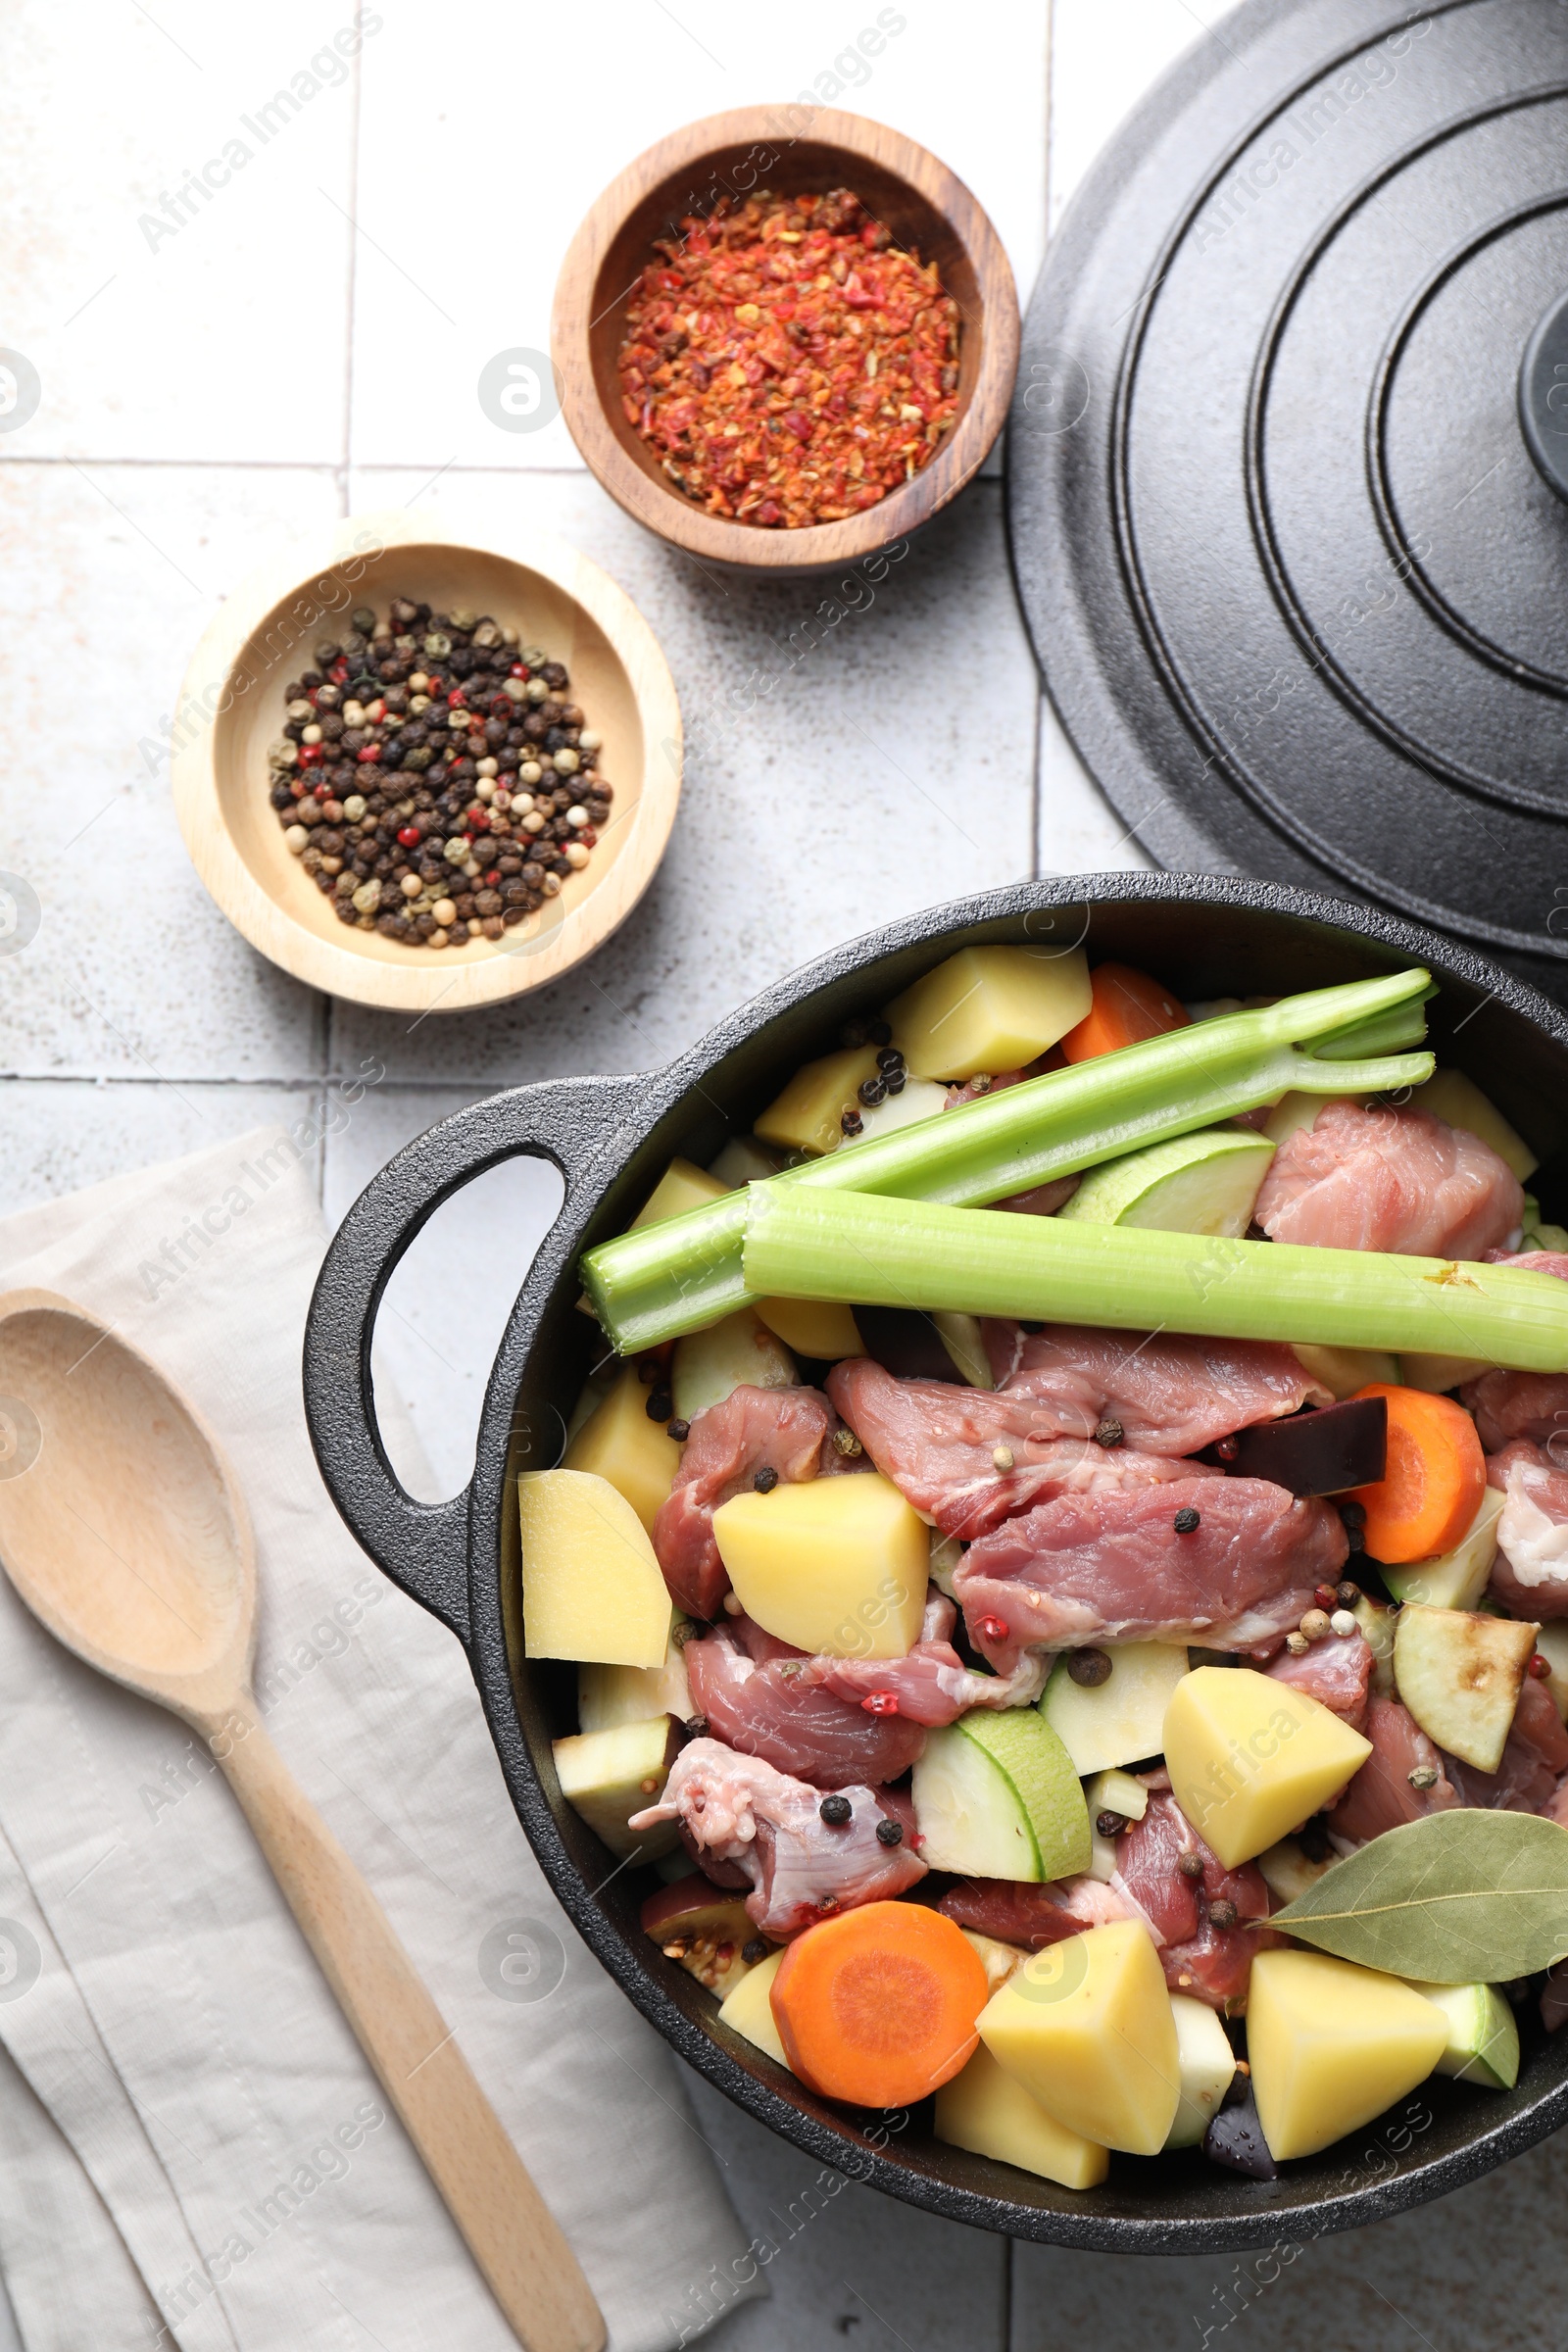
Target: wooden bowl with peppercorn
423 774
786 337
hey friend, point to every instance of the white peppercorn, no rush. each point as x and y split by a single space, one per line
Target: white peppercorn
567 761
575 855
296 841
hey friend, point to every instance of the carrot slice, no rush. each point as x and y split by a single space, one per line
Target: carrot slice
1128 1007
1433 1479
878 2006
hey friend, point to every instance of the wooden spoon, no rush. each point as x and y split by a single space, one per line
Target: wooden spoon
127 1536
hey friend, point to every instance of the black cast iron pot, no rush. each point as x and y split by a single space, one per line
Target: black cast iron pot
610 1137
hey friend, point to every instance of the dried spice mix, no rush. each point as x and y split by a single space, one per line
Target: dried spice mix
788 362
433 779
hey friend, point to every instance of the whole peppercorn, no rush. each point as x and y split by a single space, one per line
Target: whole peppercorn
836 1811
1109 1434
765 1480
659 1407
1314 1625
1425 1776
888 1831
753 1951
680 1430
1223 1914
1001 1457
1347 1593
872 1090
1110 1825
1186 1521
1226 1449
695 1727
1089 1668
1191 1866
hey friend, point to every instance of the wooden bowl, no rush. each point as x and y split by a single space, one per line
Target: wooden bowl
752 148
232 708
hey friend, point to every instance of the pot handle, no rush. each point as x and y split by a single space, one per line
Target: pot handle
423 1546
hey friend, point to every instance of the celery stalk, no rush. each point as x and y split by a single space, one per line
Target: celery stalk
660 1280
868 1250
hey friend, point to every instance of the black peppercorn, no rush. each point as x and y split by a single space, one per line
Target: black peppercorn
1110 1825
836 1811
851 1122
1089 1668
888 1831
660 1404
753 1951
1347 1593
680 1430
697 1726
1110 1433
1222 1914
1186 1521
889 1058
872 1090
765 1480
1191 1866
877 1033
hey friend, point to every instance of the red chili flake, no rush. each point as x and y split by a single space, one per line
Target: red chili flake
881 1703
787 362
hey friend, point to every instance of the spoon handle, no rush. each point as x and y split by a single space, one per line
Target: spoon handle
531 2268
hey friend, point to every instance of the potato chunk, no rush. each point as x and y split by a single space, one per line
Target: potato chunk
808 1117
592 1589
1086 2027
681 1187
1331 2045
990 1009
1250 1759
617 1441
747 2009
607 1695
837 1565
989 2111
1207 2063
813 1327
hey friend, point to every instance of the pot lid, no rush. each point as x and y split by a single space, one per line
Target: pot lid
1289 459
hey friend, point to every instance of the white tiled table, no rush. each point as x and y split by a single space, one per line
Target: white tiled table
308 342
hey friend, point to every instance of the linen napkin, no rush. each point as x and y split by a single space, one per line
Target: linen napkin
193 2150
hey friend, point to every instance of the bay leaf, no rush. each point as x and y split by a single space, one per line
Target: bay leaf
1468 1897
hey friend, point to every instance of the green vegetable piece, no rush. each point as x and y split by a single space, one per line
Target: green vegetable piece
1456 1578
1482 2038
1469 1897
996 1797
1123 1718
1203 1183
656 1282
854 1247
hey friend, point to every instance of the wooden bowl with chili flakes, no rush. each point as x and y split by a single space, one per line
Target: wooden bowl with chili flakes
231 710
708 173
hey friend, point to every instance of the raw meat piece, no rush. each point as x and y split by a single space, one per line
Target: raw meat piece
931 1682
776 1429
1530 1573
1111 1566
769 1708
1387 1179
1210 1961
739 1815
937 1443
1336 1671
1381 1797
1532 1261
1518 1404
1034 1916
1171 1393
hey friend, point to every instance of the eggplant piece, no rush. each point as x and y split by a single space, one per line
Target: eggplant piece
1323 1452
705 1928
1235 2137
907 1344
